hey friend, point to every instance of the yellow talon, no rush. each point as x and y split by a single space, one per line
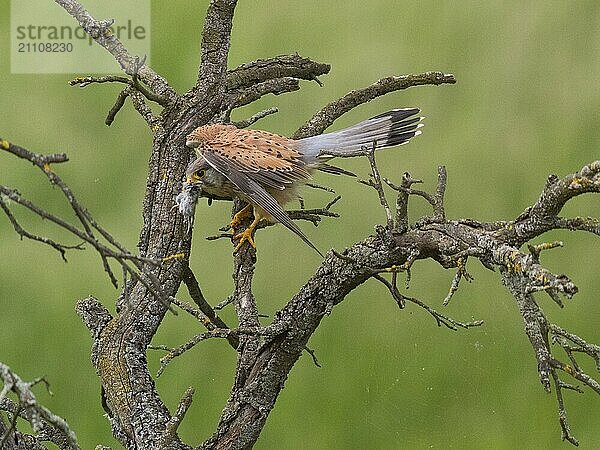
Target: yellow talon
244 236
239 217
4 144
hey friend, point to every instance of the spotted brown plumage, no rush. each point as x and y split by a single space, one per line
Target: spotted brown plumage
266 170
271 159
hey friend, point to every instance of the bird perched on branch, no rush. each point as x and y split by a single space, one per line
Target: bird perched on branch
266 170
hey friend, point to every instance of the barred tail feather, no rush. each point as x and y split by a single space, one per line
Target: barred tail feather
395 127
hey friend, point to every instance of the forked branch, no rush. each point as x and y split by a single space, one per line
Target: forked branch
99 30
266 354
46 425
142 266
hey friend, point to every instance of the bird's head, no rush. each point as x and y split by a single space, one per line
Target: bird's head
201 174
196 171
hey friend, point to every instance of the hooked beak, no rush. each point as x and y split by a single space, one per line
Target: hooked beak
193 179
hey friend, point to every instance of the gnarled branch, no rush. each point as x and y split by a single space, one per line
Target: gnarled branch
266 355
324 118
99 31
46 424
444 241
284 66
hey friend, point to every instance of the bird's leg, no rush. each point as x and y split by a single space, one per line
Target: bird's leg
240 216
246 235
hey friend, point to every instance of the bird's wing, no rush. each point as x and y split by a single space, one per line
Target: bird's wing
255 192
267 158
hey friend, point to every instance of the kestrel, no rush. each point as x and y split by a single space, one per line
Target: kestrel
266 170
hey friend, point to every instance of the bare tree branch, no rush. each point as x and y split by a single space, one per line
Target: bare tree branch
266 354
170 434
61 248
375 182
558 191
37 415
275 86
446 242
328 114
89 224
216 39
98 30
17 440
284 66
581 345
255 118
135 90
440 318
214 321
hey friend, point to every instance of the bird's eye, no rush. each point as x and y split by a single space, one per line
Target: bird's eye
196 177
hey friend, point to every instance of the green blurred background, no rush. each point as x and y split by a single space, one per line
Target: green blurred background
526 105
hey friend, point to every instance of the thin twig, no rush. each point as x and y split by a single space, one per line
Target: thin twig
379 187
99 31
460 273
214 321
440 318
312 354
38 414
562 413
119 103
215 333
320 187
61 248
219 306
582 345
255 118
122 255
170 433
86 81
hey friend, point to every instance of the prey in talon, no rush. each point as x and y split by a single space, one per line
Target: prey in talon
267 170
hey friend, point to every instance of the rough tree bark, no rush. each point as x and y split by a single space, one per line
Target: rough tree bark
266 355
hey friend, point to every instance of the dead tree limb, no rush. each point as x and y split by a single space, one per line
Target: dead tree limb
46 425
266 355
446 242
